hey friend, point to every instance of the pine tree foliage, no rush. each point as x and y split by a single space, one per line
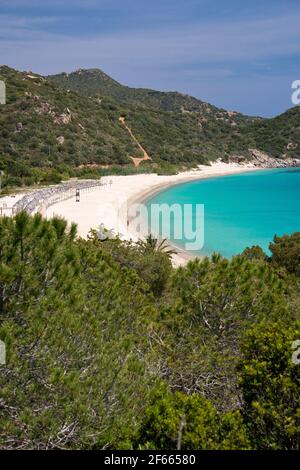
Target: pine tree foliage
109 347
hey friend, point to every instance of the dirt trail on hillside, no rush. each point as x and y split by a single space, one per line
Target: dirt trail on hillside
136 160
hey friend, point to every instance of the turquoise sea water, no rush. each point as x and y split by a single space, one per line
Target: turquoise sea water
240 210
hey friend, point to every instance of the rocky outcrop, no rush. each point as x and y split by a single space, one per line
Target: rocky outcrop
263 160
60 140
47 108
64 118
291 146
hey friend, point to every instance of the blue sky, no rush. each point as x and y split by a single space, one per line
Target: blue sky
232 53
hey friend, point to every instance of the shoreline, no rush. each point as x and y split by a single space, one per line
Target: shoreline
214 171
182 256
110 203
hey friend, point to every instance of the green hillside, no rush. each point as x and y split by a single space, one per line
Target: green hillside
215 131
46 132
94 82
278 136
68 125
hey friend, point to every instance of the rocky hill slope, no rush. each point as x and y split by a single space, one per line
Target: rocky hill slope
69 125
94 82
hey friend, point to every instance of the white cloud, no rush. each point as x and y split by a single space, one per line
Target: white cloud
162 57
213 43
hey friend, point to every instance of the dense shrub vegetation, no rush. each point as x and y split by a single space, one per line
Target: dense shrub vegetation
110 347
68 125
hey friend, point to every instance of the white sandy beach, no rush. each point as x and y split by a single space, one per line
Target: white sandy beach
109 204
6 202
